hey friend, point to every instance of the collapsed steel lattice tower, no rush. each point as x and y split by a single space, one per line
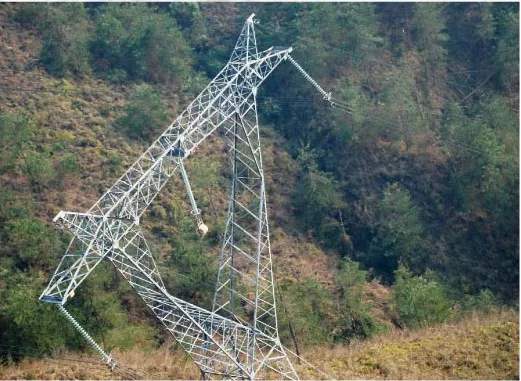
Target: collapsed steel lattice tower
238 338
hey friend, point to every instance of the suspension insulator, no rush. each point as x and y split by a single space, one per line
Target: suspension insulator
203 229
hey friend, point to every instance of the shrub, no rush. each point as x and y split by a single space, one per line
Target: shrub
68 165
31 242
16 131
30 14
355 319
65 36
138 41
417 301
144 113
195 272
26 324
483 301
113 163
38 167
308 307
399 234
130 335
316 195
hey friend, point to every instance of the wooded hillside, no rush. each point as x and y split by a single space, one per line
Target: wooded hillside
398 213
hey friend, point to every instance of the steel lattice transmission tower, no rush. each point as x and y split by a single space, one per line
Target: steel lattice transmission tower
238 338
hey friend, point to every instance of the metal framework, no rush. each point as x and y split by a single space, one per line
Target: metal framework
238 338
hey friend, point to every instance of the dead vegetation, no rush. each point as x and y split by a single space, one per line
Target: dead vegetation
481 346
477 347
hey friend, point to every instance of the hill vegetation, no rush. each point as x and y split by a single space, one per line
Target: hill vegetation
399 215
483 346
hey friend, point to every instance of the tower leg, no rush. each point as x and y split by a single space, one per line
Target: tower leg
245 288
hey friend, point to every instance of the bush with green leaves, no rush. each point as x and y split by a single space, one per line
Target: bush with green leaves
418 301
144 114
399 233
67 165
309 308
27 326
32 243
483 301
317 198
99 309
39 168
194 270
347 30
138 42
484 186
16 131
65 31
30 14
355 320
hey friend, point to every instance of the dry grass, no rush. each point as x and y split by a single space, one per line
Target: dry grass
156 364
478 347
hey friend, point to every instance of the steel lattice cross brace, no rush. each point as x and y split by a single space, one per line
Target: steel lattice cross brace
239 337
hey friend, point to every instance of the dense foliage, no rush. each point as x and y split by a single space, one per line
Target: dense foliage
426 164
137 42
144 114
416 187
418 301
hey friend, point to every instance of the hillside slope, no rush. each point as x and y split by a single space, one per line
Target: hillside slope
74 118
398 214
78 115
479 347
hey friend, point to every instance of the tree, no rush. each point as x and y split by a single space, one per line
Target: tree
470 28
65 30
483 182
39 168
190 20
417 301
428 29
347 30
399 115
16 131
399 234
506 56
355 320
195 273
31 242
27 326
317 198
395 20
308 307
140 42
144 113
